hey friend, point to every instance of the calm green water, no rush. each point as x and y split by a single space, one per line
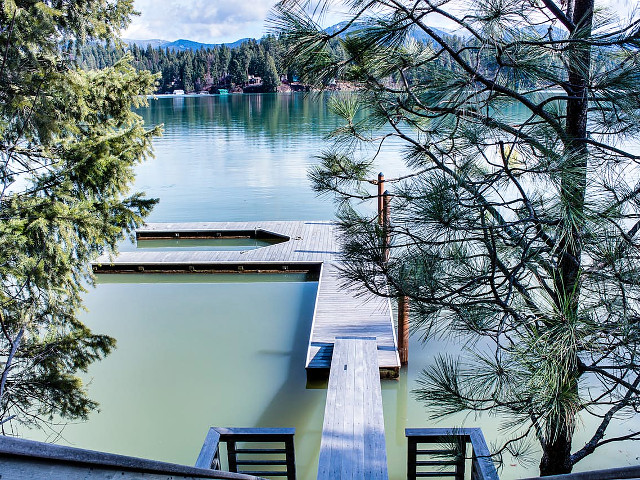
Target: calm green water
194 244
228 350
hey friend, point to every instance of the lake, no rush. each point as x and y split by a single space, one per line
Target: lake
228 350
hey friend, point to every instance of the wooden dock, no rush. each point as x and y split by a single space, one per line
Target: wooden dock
339 311
353 442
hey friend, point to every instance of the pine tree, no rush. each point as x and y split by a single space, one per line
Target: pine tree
270 78
69 144
517 235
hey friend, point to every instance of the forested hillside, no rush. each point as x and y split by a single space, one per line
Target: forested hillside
203 69
258 65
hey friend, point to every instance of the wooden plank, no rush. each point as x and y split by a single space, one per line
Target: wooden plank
208 450
353 443
28 459
377 454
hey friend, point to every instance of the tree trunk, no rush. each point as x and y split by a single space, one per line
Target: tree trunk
556 457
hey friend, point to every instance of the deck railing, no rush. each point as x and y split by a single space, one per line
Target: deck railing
27 459
608 474
251 448
443 453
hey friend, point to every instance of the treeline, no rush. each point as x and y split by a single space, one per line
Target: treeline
252 65
256 66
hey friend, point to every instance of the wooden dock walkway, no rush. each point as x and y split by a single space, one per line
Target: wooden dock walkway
338 311
353 442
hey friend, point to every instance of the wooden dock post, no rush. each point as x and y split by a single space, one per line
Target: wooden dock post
403 329
386 224
380 198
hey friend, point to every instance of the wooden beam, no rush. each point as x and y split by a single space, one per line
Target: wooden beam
209 450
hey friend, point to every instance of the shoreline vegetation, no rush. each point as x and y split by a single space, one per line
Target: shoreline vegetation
253 66
341 86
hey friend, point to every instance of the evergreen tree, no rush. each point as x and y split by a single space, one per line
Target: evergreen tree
69 144
187 74
237 70
517 235
270 78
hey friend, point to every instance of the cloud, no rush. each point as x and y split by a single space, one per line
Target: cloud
200 20
219 21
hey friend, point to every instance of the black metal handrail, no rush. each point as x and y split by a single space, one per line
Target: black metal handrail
449 452
251 457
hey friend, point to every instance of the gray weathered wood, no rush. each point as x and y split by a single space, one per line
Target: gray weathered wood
27 459
608 474
338 311
353 443
209 450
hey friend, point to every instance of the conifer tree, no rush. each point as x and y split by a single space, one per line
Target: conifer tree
270 79
514 233
69 144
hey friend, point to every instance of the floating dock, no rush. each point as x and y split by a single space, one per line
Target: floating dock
353 444
298 246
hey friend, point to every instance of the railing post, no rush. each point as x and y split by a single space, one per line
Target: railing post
403 329
290 458
380 198
462 455
231 456
412 447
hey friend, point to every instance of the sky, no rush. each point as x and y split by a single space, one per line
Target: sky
206 21
223 21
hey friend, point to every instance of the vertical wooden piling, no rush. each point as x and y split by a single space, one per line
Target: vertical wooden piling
386 223
380 198
403 329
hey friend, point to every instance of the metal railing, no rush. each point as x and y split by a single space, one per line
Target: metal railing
253 456
443 453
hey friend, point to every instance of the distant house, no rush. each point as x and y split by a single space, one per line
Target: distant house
178 92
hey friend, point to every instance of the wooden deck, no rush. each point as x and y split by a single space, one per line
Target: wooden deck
353 442
338 311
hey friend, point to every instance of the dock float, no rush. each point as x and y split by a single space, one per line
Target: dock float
297 246
353 442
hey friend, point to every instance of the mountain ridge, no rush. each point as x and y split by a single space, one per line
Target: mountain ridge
185 44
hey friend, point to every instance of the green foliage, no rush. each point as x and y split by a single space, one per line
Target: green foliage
270 77
70 142
515 229
196 70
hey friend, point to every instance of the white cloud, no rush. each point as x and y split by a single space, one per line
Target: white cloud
200 20
219 21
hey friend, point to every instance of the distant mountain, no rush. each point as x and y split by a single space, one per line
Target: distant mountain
182 44
143 43
416 34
